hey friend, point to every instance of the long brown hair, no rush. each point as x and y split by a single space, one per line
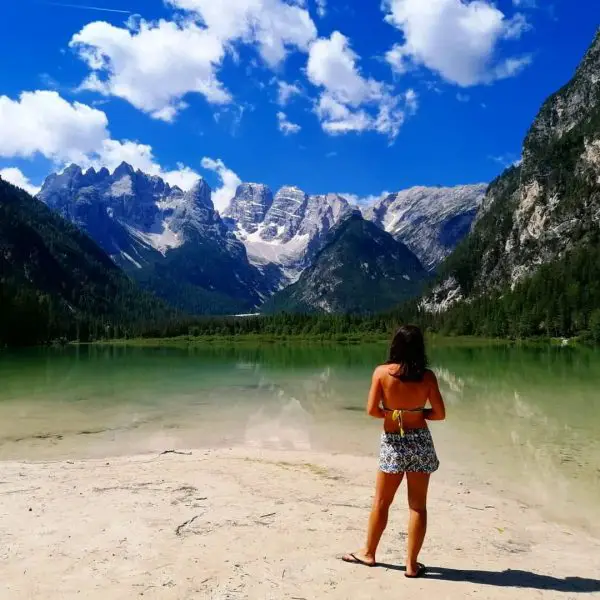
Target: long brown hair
408 351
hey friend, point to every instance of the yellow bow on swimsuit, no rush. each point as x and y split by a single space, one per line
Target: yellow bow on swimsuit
398 415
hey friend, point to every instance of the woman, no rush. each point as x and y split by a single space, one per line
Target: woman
400 389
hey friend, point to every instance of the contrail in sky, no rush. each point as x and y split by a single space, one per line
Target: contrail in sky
87 7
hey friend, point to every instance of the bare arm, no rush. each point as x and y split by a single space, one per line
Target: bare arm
373 404
437 412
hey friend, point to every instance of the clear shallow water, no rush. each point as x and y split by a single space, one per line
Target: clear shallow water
524 420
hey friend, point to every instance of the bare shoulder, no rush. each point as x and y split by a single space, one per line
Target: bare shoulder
429 376
379 371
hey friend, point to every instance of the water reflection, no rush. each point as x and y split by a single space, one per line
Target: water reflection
523 418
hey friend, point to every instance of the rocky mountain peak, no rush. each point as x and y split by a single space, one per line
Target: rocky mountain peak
360 268
249 206
199 194
123 169
284 216
540 211
72 170
429 220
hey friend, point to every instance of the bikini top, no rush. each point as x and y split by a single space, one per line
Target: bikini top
398 415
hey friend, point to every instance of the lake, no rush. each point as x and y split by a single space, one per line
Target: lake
520 419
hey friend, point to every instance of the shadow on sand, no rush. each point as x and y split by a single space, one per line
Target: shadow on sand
509 578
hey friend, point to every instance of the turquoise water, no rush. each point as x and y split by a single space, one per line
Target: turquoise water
525 420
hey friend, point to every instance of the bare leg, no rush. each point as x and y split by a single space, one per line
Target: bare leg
385 490
418 484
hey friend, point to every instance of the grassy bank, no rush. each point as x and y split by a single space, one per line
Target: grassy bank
264 339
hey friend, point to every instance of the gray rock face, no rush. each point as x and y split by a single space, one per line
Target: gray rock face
283 234
360 269
117 206
284 217
249 206
322 214
539 211
195 213
430 221
175 243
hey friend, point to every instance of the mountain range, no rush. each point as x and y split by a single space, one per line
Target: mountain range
360 269
176 245
172 242
520 257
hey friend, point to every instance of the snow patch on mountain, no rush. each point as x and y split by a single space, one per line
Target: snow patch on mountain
122 187
283 232
163 240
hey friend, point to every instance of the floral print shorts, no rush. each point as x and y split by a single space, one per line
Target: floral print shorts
414 452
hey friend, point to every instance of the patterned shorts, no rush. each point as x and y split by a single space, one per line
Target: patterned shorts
414 452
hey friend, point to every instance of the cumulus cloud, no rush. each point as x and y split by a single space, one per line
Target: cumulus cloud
321 8
42 123
458 39
285 125
153 65
273 25
349 101
17 177
286 91
223 195
364 201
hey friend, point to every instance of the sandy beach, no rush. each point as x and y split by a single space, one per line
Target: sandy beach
249 523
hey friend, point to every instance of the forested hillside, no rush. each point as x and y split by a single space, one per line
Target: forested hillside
55 282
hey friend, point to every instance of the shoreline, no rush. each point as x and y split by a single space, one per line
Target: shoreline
299 340
254 523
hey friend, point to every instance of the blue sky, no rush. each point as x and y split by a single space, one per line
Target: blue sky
343 96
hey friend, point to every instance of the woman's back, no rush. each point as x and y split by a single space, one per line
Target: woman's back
410 397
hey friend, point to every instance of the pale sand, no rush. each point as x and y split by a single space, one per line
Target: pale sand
245 523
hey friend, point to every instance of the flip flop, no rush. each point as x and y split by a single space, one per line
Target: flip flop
354 560
422 569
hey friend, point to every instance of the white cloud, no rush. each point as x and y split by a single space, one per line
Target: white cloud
332 64
511 67
412 100
274 25
399 59
364 201
525 3
321 7
506 160
458 39
16 177
223 195
462 97
153 65
286 91
183 177
42 123
286 126
349 101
